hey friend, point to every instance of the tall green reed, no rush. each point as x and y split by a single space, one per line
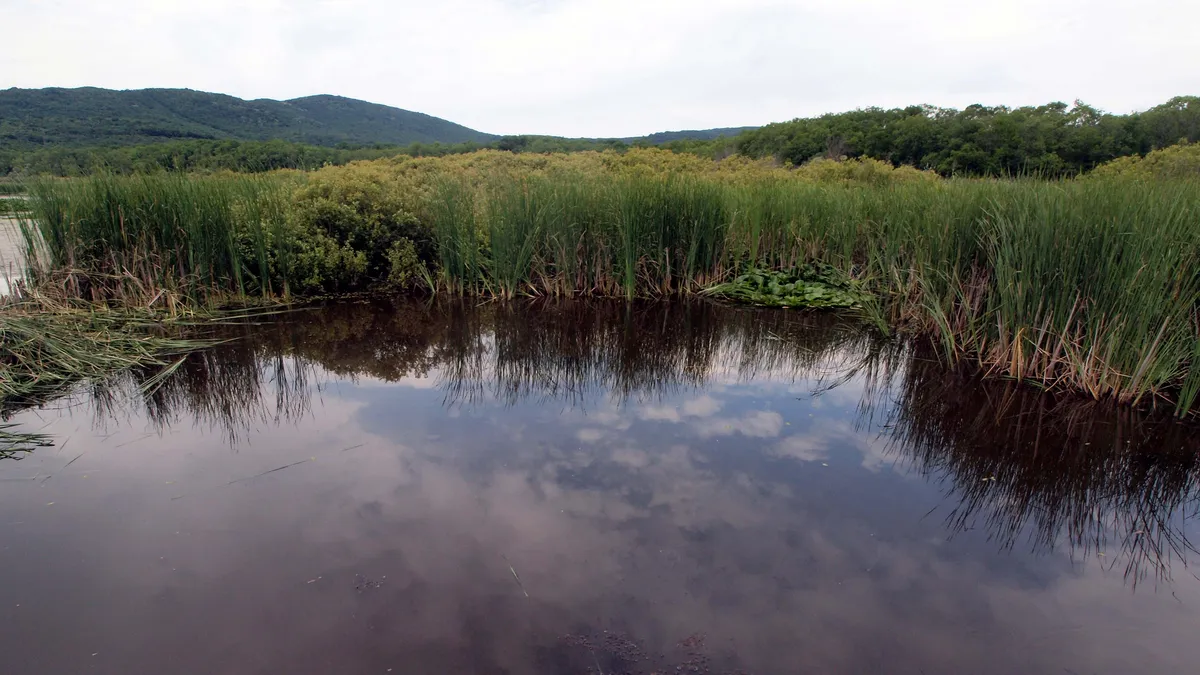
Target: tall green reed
115 238
1086 284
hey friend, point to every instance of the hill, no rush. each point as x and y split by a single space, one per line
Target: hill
32 118
690 135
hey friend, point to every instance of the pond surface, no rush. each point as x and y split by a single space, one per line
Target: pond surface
592 487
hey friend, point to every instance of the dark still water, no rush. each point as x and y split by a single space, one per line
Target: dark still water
592 487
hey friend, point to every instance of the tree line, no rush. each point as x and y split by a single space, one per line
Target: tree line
1052 139
259 156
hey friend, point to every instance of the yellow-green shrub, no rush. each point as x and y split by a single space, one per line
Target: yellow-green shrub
350 224
1176 161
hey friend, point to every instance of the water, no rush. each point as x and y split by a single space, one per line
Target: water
376 488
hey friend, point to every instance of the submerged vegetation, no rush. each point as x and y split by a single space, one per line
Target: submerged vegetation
1087 284
811 286
45 351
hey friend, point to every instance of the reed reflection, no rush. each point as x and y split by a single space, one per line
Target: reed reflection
1027 467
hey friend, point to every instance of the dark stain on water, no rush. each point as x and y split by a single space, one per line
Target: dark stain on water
593 487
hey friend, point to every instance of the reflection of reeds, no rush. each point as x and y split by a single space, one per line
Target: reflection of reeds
1026 464
1017 462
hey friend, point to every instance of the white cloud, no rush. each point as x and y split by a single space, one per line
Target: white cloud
705 406
589 435
610 418
617 67
803 448
757 424
415 382
660 413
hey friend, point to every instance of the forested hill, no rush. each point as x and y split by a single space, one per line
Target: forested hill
980 140
692 135
88 117
70 132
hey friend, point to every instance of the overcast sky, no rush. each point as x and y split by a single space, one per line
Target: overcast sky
617 67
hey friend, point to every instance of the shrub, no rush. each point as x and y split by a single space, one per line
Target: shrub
1176 161
350 224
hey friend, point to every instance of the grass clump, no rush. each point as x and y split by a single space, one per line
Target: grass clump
43 354
140 240
48 349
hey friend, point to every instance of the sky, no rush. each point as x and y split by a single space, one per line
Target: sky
617 67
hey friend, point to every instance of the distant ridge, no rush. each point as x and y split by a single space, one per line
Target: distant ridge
92 117
690 135
89 116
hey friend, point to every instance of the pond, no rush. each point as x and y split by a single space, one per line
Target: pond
592 487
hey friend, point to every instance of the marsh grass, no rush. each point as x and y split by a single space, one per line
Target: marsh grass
1089 284
15 443
44 353
138 240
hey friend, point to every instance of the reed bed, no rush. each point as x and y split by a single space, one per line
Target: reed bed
146 240
1087 284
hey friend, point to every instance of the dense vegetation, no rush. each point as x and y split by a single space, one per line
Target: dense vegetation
196 156
262 156
1087 283
1053 139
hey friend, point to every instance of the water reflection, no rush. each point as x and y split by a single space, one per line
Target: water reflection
719 490
1019 464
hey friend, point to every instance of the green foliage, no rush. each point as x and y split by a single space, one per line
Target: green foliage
1177 161
11 206
158 238
77 132
348 225
405 269
1049 140
44 351
186 156
812 286
207 156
